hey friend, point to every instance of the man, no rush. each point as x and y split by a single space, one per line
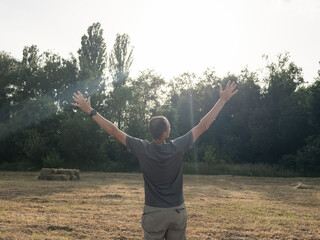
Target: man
164 215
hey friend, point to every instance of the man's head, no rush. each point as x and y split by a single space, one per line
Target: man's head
159 127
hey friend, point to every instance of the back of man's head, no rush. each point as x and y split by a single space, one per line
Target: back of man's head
158 125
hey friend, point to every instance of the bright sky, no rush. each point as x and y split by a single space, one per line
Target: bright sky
173 36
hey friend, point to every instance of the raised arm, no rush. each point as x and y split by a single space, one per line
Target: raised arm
85 106
207 120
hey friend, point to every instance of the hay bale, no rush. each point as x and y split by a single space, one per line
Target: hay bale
74 177
59 174
56 177
47 171
77 174
69 172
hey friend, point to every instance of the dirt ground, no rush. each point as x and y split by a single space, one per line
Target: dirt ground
109 206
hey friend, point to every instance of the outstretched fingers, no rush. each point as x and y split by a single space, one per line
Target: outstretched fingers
76 95
234 93
228 84
80 94
77 99
233 86
74 98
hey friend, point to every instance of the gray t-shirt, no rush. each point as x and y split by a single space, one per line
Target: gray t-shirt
161 167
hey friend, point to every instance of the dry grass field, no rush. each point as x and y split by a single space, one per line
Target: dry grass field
109 206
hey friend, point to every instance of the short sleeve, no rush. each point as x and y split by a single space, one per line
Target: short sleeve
135 146
184 142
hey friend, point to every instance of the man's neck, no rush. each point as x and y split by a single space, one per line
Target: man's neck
159 141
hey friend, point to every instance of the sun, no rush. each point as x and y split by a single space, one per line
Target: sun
184 36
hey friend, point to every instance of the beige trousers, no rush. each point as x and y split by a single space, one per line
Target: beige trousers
164 223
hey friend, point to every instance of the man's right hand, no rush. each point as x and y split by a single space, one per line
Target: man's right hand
228 93
81 103
104 123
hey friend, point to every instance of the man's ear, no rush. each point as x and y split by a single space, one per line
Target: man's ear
164 134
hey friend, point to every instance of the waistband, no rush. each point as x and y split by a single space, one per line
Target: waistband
148 208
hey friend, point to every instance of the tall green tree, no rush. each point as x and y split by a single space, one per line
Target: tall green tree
283 79
314 109
182 95
120 60
146 96
28 84
61 78
148 88
92 58
237 117
8 73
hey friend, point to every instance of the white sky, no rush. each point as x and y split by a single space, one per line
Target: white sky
173 36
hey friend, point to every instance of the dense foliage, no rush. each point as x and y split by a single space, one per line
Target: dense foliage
271 127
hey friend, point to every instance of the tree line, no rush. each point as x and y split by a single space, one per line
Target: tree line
270 128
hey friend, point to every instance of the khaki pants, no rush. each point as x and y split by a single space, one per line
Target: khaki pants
164 223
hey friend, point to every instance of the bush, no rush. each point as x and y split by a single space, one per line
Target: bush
17 166
31 147
308 157
212 157
288 161
52 160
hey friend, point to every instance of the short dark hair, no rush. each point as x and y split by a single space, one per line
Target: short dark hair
157 125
